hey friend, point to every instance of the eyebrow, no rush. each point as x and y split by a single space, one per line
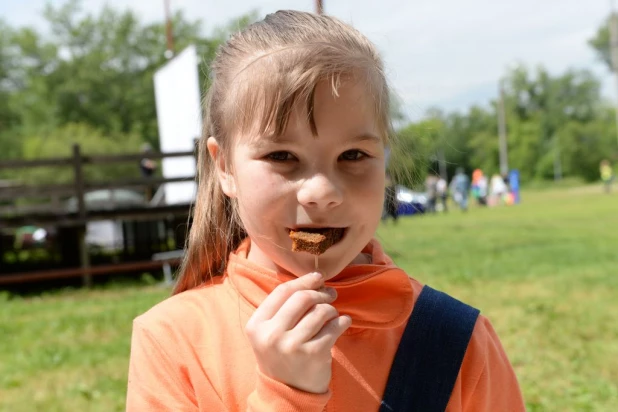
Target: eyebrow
272 138
366 137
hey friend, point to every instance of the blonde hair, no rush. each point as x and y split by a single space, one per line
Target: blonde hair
259 76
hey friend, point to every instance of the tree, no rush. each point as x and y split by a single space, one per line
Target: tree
412 149
480 134
9 118
601 43
105 76
95 70
539 107
597 139
557 125
59 142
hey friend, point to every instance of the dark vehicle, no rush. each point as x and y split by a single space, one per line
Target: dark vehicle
410 202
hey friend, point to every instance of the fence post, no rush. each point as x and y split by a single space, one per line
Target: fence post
84 256
196 155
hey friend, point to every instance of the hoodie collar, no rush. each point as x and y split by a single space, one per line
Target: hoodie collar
376 296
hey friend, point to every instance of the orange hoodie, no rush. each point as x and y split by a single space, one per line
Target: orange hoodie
190 353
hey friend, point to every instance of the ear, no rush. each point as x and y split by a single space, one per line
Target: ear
223 174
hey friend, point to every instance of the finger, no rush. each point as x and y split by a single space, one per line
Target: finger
273 302
313 322
293 310
329 334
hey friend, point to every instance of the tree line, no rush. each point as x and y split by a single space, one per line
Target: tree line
557 125
87 78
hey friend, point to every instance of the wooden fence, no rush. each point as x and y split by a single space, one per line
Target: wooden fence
55 213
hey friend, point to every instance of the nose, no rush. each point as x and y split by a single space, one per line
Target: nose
320 191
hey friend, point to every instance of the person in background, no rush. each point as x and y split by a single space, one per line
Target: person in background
479 187
474 184
482 190
442 193
460 186
607 175
430 188
497 190
390 200
147 168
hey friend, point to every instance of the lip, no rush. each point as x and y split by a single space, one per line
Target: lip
315 227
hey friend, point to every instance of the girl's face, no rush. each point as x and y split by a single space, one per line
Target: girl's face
332 180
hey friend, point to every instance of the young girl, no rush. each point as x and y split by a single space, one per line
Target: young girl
296 125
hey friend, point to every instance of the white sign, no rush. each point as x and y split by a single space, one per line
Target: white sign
179 117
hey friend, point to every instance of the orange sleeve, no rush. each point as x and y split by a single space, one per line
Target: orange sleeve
156 382
159 383
486 381
272 395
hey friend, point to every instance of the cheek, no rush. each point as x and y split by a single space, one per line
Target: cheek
259 192
369 188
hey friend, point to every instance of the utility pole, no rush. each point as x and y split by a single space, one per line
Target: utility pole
319 7
504 163
613 49
169 52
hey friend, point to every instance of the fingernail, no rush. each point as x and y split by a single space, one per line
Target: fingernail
316 275
331 291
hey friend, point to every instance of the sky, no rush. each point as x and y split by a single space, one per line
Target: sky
438 53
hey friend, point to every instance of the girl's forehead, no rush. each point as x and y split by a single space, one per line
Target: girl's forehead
348 106
263 97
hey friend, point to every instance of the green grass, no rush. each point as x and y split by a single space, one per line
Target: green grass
69 351
544 272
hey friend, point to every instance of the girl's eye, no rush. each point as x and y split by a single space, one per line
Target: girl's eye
352 155
280 156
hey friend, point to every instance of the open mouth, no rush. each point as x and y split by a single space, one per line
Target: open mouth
315 240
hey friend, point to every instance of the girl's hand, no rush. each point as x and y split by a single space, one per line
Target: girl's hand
293 330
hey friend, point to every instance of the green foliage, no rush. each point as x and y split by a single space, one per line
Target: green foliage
96 70
104 75
478 141
9 146
596 137
411 148
557 126
59 143
544 112
601 43
93 69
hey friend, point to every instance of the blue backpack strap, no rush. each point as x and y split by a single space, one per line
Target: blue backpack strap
430 354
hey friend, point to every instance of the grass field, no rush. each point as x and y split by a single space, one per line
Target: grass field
544 272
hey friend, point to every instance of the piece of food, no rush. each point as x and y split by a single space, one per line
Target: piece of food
315 241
